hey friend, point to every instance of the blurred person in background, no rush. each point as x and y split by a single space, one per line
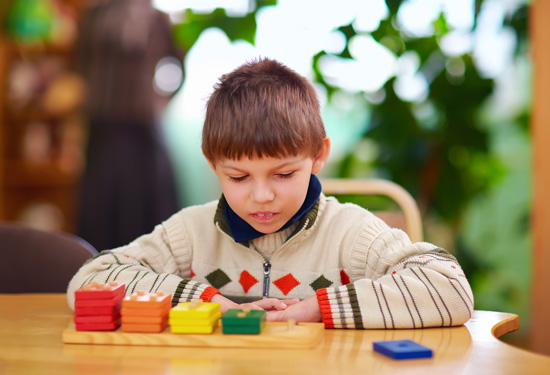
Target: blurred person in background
128 184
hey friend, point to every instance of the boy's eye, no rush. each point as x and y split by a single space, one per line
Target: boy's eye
238 179
285 175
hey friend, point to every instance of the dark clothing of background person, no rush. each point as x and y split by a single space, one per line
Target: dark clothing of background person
128 185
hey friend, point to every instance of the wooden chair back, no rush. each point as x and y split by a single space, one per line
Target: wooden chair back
408 219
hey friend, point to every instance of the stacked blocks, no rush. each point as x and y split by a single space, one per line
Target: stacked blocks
195 317
243 321
97 306
146 312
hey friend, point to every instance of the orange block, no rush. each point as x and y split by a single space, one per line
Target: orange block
142 300
143 319
146 312
144 328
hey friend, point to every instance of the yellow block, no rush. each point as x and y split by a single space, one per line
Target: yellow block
187 310
195 322
194 328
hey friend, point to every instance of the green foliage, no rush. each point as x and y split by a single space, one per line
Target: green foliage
29 21
445 153
187 33
518 21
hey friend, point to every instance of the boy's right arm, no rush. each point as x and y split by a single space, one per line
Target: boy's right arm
147 264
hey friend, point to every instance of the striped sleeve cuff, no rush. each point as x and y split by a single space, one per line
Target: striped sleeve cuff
188 290
339 307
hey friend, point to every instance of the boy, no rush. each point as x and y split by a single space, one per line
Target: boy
273 241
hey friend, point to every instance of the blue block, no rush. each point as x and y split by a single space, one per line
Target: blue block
402 349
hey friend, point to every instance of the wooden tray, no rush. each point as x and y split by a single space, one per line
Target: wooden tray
274 335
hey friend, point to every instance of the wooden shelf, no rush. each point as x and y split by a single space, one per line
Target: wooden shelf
22 174
29 131
29 113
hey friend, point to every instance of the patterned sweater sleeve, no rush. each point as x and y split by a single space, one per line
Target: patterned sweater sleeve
402 285
159 261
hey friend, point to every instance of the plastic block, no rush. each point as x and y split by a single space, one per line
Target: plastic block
235 317
146 312
142 300
87 311
93 319
195 317
186 310
195 322
402 349
241 330
95 291
98 326
243 321
111 302
206 329
144 319
144 328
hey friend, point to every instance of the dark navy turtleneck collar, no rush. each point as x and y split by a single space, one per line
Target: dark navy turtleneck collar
241 231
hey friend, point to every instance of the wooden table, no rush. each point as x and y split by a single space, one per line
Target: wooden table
31 327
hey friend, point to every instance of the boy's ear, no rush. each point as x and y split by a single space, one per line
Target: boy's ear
322 156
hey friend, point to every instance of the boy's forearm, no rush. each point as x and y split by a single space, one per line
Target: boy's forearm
137 276
422 291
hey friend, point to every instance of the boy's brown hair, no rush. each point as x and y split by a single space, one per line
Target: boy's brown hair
262 108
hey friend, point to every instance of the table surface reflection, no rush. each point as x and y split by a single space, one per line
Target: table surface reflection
31 327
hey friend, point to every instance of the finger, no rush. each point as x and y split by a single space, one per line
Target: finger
251 306
291 301
271 304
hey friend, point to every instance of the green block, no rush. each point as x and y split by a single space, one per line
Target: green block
242 330
243 322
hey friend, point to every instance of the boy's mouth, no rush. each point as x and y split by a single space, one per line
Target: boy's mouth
263 216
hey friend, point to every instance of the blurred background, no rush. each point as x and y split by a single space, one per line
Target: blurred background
102 103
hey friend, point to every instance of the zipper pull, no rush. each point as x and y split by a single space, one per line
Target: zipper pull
267 270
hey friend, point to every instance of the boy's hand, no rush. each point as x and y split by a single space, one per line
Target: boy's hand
304 311
268 304
274 304
225 303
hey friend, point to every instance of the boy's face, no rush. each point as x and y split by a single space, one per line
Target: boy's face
267 192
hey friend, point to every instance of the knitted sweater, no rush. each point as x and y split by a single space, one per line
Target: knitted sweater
365 274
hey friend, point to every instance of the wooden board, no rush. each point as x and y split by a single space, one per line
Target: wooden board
274 335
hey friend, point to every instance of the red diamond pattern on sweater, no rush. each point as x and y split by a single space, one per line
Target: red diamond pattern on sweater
344 278
286 283
192 274
247 281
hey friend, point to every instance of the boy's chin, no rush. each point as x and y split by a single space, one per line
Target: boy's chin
266 229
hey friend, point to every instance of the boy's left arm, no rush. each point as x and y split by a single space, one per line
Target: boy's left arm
426 289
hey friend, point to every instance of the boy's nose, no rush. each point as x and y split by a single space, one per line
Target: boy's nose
262 193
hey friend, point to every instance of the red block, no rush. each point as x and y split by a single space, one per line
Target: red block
94 319
102 310
98 326
111 302
95 291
